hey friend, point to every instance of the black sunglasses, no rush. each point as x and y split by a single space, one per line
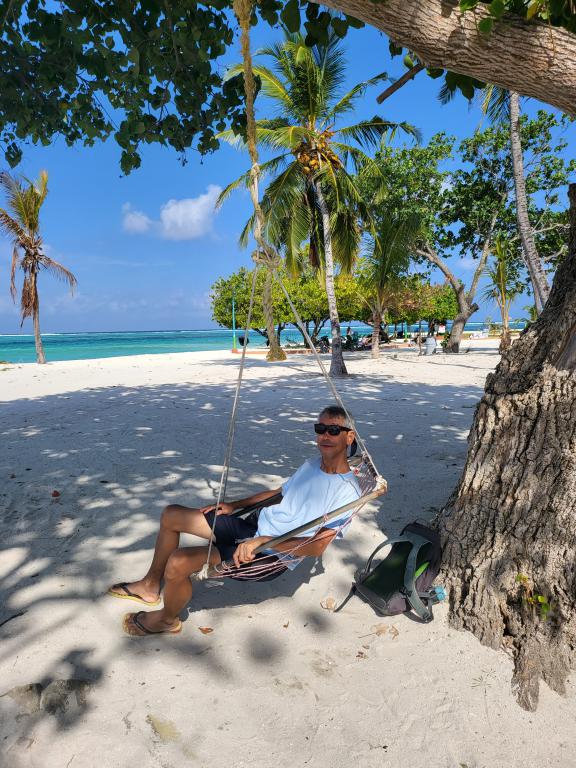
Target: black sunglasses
332 429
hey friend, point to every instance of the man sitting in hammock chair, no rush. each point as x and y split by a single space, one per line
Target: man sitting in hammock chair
322 484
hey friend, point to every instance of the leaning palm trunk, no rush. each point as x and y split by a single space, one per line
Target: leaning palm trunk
531 256
40 357
267 255
505 339
337 366
275 352
377 321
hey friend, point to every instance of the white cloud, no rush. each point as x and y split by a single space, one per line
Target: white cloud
186 219
189 218
133 221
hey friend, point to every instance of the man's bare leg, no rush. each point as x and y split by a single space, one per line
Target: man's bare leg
177 589
175 520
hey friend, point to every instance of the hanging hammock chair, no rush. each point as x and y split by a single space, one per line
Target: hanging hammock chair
371 483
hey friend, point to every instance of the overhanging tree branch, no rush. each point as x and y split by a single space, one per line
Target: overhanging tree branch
407 76
529 57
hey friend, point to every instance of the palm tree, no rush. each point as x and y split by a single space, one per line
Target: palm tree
504 286
313 197
389 258
22 224
504 106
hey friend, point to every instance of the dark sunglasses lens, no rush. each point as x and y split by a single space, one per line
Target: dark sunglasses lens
332 429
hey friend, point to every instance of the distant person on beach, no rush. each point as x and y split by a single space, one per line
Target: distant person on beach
321 485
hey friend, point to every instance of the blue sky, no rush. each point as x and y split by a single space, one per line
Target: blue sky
146 248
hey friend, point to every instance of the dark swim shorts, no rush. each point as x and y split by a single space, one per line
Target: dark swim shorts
229 531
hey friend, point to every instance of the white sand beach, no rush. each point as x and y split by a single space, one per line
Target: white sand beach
280 680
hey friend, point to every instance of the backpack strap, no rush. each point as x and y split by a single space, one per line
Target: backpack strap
410 591
387 543
348 596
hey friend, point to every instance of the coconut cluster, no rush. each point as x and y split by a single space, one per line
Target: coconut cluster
311 154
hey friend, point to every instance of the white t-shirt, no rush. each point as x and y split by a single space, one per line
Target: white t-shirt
309 493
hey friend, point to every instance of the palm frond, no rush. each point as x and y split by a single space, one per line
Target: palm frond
247 230
270 84
370 132
392 248
270 166
29 297
11 226
13 268
346 103
495 103
58 271
346 236
446 94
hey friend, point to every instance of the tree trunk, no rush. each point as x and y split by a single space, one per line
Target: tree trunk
40 357
509 529
531 58
465 311
531 256
275 352
376 320
505 339
337 366
465 299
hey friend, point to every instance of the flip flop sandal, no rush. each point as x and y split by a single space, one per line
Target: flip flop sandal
132 620
130 595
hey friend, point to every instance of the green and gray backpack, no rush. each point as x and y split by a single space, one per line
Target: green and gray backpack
401 581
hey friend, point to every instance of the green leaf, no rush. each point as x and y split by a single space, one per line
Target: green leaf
340 27
533 8
408 61
290 15
497 8
485 26
354 23
468 5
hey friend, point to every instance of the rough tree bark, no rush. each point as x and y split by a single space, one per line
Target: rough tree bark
530 58
531 257
509 529
337 365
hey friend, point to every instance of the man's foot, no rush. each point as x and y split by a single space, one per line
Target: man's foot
141 624
138 591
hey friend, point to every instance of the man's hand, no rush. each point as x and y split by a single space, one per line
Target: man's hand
245 550
224 508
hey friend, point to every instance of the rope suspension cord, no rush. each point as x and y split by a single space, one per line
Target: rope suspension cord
231 429
363 449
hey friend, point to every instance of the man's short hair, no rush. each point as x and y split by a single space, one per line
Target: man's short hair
336 412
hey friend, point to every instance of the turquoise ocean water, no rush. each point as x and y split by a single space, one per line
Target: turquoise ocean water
19 348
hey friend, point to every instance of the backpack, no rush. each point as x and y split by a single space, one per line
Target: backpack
402 581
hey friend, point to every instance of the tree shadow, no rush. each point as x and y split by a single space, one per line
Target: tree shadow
115 456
